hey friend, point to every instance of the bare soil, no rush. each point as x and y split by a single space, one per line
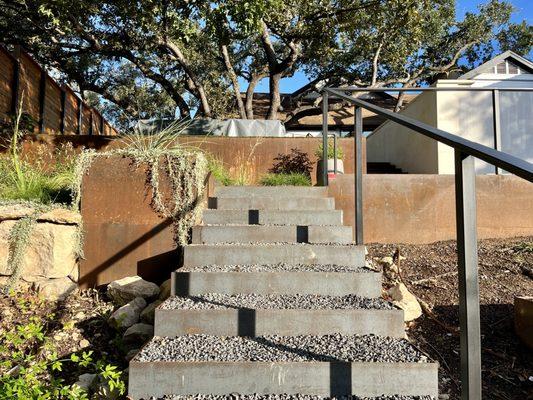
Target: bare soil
505 271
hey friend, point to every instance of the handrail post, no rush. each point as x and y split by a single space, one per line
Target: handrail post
358 137
325 138
467 259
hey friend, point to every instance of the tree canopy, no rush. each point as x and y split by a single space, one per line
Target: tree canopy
150 57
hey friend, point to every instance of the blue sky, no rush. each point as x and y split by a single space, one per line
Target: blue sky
524 10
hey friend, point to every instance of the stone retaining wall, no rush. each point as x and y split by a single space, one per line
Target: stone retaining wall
50 262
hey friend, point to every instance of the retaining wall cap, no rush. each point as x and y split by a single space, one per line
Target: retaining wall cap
57 215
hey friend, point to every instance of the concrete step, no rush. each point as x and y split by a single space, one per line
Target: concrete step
272 203
287 315
292 253
209 234
272 217
311 365
271 191
191 283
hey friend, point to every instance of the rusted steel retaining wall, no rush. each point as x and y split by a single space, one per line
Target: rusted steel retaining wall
421 208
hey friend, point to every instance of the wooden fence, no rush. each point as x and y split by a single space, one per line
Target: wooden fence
55 108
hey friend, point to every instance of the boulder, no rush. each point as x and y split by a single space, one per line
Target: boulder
126 289
132 353
54 289
86 381
138 334
128 314
148 314
164 290
58 215
51 252
404 299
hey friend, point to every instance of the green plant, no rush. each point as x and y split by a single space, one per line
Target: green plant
219 171
331 151
294 179
295 162
29 364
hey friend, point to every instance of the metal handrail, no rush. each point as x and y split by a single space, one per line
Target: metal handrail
465 207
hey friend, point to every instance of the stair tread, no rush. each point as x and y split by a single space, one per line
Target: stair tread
279 267
218 301
283 396
274 348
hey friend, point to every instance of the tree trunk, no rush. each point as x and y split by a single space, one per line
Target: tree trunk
250 93
199 88
275 98
234 80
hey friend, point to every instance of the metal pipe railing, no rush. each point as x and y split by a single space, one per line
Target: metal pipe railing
465 207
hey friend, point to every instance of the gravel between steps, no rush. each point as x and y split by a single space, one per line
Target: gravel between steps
213 301
280 267
274 348
255 396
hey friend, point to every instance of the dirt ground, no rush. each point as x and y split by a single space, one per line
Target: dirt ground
505 271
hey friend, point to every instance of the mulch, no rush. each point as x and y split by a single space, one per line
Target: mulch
505 271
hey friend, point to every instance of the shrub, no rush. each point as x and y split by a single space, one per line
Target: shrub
294 179
331 152
297 162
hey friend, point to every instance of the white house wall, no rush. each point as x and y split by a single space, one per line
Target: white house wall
469 115
516 124
410 151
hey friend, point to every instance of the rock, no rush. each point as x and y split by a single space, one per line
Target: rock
84 343
86 381
126 289
58 215
138 334
164 290
50 252
148 314
387 260
128 314
404 299
55 289
132 353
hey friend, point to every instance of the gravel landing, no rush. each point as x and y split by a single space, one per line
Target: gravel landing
280 267
274 348
236 396
213 301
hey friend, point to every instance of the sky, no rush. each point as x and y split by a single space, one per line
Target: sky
523 10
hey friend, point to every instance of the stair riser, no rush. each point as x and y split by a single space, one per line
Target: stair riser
312 378
195 255
272 217
270 191
272 203
271 234
364 284
246 322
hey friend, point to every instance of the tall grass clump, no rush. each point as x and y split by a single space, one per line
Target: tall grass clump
41 181
292 179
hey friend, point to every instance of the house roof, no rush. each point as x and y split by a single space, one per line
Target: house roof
517 59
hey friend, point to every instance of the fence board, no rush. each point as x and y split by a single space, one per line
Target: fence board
30 79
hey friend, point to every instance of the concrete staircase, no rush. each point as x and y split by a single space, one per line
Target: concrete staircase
274 298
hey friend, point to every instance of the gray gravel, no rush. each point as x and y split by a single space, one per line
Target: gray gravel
273 301
274 348
255 396
274 268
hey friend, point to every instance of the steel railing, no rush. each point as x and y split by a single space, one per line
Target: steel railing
465 205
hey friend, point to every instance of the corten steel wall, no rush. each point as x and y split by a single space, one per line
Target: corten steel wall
123 235
232 151
54 108
421 208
